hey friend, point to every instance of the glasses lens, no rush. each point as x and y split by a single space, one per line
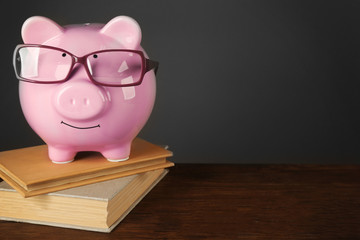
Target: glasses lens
116 68
42 64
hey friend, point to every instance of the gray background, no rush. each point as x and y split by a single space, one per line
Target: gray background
239 81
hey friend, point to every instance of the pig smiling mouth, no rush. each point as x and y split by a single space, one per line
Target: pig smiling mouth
62 122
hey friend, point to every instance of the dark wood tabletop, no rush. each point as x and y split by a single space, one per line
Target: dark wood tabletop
234 202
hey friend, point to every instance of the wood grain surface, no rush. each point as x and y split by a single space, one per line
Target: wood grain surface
234 202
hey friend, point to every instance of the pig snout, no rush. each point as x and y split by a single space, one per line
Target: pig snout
79 100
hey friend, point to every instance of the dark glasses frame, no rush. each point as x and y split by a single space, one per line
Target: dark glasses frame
146 66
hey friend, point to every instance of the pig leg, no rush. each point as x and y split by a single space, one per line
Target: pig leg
117 154
61 156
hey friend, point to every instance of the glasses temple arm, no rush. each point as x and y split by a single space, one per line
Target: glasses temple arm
150 64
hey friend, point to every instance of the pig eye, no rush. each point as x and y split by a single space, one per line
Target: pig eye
64 55
95 56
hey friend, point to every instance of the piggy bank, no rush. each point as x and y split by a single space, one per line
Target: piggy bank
88 87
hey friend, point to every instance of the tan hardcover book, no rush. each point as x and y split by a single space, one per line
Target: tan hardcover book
31 173
95 207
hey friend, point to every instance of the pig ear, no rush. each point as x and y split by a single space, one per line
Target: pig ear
125 30
37 30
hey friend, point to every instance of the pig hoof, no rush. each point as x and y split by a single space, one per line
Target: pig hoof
118 154
63 162
118 160
61 156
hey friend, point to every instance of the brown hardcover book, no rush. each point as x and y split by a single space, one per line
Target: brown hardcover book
31 173
95 207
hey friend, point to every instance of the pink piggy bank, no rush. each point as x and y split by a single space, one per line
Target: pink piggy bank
87 87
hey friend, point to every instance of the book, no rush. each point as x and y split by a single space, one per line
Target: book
96 207
31 173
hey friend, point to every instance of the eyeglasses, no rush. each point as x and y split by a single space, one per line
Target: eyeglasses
115 68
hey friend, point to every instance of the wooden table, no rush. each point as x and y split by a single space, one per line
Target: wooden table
234 202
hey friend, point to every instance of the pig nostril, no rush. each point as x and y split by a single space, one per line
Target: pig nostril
72 101
86 101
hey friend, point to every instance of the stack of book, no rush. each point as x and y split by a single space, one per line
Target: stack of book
90 193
